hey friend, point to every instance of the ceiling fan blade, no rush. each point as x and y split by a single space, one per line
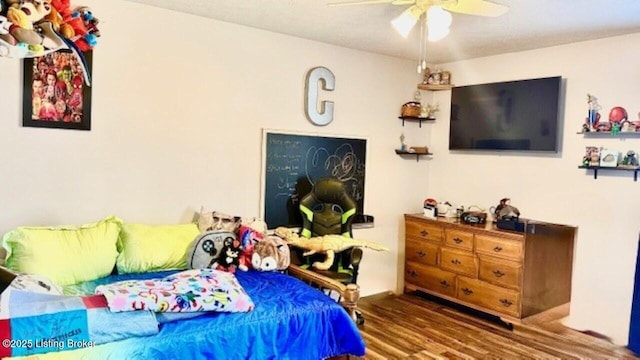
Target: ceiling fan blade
476 7
359 2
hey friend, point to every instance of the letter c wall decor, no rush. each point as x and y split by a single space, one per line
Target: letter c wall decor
328 82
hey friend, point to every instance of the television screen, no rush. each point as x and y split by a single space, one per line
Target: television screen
515 115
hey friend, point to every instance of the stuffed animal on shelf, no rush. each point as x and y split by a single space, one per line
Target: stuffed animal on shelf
229 259
271 254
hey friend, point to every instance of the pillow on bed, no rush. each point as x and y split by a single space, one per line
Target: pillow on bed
65 254
145 248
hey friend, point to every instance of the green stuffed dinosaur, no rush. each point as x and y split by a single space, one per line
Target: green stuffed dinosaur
327 244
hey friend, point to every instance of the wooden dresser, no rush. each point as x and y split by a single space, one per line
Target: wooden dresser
504 273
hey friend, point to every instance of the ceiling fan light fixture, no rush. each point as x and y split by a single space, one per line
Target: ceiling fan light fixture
436 33
438 23
407 20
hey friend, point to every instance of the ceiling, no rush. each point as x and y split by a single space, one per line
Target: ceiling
529 24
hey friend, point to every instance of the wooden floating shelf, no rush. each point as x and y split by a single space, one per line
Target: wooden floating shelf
403 152
596 168
433 87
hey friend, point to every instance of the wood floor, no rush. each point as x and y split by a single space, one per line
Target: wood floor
414 327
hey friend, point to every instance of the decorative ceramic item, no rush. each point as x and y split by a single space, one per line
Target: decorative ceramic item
403 146
631 159
609 158
429 111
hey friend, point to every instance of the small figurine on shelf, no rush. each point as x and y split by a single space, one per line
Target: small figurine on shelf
617 115
593 116
631 159
627 126
445 78
591 157
403 146
434 78
427 74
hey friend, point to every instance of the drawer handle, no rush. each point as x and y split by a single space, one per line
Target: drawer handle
457 240
506 302
421 253
497 249
498 273
424 233
412 273
455 262
467 291
444 284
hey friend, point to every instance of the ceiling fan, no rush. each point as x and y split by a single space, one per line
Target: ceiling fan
434 10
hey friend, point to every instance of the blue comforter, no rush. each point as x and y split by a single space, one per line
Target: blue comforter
290 321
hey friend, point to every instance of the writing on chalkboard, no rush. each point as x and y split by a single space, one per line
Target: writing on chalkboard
292 164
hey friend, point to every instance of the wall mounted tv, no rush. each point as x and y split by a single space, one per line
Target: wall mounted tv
515 115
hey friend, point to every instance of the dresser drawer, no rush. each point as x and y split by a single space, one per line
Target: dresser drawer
500 247
501 272
489 296
430 278
421 251
458 261
426 231
459 239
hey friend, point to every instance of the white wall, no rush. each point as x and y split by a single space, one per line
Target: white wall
552 188
179 104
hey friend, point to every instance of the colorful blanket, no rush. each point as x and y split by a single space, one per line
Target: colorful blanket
187 291
36 323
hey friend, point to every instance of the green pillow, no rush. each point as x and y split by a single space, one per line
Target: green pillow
65 254
145 248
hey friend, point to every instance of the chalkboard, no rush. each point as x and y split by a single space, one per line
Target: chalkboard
293 162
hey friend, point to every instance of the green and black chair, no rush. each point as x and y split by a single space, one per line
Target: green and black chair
328 210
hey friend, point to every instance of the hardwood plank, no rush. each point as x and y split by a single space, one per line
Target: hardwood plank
414 327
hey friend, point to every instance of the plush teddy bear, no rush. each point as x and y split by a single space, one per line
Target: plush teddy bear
271 254
229 256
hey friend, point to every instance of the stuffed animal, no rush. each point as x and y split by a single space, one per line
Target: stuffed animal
271 254
205 249
229 256
327 244
31 25
248 237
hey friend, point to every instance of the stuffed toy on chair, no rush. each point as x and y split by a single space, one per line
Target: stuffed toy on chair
271 254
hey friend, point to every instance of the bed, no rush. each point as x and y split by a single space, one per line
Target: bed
290 319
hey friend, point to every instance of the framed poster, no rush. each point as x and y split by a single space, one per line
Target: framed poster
54 92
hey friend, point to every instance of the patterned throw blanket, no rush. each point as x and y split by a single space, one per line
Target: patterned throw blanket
36 323
187 291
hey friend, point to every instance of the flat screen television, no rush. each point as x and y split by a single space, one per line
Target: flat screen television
514 115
